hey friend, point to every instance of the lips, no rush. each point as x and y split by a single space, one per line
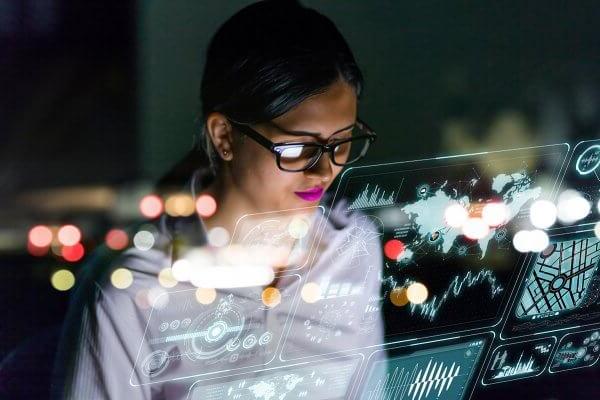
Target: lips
312 194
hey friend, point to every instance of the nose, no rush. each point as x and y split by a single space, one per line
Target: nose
322 170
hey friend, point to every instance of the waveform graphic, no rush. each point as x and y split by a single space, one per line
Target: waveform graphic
377 198
520 368
417 384
430 309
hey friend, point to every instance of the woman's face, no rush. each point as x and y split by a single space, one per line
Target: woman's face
254 170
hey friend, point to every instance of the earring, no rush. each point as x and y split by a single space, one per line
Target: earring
225 153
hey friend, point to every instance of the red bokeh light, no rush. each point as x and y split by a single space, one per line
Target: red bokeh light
73 253
37 251
393 249
69 235
116 239
151 206
206 205
40 236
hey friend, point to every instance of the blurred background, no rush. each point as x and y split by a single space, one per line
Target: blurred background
98 100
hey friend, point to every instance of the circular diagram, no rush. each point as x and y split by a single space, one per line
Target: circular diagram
155 363
589 160
214 332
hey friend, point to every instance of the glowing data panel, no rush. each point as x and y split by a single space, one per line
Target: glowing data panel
561 287
194 333
446 233
577 350
583 175
518 361
442 373
326 380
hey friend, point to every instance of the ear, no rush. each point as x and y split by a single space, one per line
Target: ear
220 132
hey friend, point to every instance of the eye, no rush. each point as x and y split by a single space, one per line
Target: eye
290 151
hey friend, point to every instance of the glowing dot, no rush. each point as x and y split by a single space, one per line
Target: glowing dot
37 251
116 239
495 214
475 228
597 230
417 293
158 297
271 297
143 240
522 241
572 207
62 280
393 249
218 236
151 206
298 227
205 295
543 214
73 253
179 205
69 235
166 278
311 292
456 215
399 297
40 236
181 270
206 205
121 278
538 240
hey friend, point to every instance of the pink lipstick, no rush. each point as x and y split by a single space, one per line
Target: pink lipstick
312 194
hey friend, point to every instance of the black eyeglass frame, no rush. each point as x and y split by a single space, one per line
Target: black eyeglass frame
323 148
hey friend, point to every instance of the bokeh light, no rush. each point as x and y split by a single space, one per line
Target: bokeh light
572 207
597 230
179 205
121 278
62 280
141 299
40 236
271 297
456 215
151 206
218 236
399 297
143 240
495 214
538 240
116 239
298 227
206 205
158 297
206 295
37 251
475 228
73 253
417 293
543 214
181 270
521 241
311 292
69 235
393 249
166 278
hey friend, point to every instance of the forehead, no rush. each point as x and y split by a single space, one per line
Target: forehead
325 112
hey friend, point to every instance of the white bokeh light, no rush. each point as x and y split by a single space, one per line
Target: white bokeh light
572 207
143 240
543 214
456 215
475 228
522 241
181 270
538 240
597 230
495 214
218 236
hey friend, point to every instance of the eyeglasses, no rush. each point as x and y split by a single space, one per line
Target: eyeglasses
345 148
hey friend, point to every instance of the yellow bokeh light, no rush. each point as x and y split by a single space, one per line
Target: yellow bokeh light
206 295
166 278
271 297
399 297
121 278
311 292
62 280
180 205
298 228
417 293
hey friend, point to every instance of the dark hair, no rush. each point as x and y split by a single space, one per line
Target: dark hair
268 58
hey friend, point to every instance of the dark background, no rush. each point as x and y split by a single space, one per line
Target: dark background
102 97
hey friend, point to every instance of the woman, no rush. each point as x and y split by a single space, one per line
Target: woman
279 100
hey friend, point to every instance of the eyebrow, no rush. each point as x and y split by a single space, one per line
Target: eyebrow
305 133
